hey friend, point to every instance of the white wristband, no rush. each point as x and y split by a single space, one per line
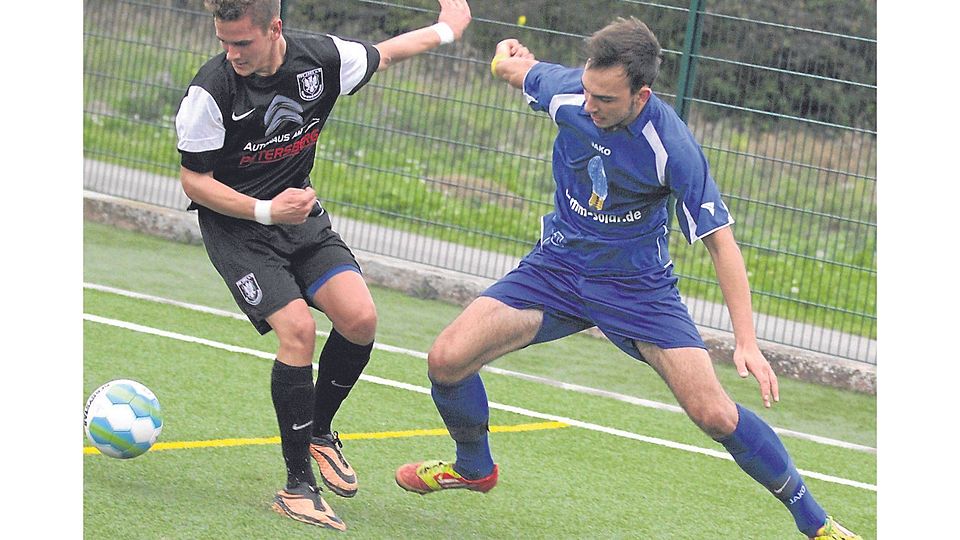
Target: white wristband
262 212
445 32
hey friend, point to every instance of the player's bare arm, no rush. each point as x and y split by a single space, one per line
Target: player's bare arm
732 275
511 62
292 206
453 20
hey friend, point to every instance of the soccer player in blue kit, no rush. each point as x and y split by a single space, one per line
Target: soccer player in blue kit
603 261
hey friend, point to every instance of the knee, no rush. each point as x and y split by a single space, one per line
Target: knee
717 419
299 336
360 328
445 364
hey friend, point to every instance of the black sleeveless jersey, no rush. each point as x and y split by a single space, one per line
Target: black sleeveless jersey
258 135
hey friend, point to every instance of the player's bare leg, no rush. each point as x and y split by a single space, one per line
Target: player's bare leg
346 301
296 333
291 387
753 444
689 373
485 331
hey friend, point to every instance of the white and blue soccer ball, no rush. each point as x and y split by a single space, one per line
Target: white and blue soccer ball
122 419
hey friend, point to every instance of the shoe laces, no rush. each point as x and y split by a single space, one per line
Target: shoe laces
337 445
434 468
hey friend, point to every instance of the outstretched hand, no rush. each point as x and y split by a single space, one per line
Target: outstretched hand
512 48
749 359
456 13
293 205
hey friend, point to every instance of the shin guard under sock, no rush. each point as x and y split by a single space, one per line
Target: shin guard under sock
760 453
292 391
340 365
466 413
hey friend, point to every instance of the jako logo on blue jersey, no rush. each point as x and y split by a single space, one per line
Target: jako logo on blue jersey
600 148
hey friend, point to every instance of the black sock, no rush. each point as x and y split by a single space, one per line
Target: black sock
341 363
292 392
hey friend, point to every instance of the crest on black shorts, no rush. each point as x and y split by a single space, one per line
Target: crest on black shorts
311 84
250 289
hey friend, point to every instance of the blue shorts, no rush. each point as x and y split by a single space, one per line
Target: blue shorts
626 308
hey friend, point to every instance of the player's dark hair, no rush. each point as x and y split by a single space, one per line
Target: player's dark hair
262 12
628 43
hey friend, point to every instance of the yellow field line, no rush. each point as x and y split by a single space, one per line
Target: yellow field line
221 443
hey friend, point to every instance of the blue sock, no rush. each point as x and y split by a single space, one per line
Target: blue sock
464 409
760 453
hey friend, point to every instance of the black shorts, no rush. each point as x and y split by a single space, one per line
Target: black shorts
268 266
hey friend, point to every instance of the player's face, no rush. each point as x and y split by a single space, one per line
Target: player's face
249 48
608 99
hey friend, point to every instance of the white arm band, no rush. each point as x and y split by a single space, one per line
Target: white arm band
445 32
261 212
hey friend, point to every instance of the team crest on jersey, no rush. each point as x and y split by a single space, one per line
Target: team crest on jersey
250 289
311 84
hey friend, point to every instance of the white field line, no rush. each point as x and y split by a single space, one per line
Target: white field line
491 369
509 408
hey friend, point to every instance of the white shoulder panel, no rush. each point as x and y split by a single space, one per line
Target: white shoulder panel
353 64
653 139
560 100
199 122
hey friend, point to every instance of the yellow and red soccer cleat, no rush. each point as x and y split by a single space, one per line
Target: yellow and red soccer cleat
832 530
429 476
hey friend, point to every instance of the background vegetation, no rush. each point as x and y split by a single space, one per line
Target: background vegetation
784 103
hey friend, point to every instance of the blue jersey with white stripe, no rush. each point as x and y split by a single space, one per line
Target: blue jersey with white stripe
613 186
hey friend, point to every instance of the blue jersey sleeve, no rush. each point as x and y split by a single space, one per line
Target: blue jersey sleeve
699 207
545 81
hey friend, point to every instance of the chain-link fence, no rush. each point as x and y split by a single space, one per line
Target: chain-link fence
436 162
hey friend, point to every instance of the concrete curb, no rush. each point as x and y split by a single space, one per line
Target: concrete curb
424 281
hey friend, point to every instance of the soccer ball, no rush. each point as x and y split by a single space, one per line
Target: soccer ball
122 418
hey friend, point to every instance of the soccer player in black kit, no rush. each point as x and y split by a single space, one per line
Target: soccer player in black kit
247 129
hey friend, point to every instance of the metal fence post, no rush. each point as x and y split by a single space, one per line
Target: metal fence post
688 62
686 78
